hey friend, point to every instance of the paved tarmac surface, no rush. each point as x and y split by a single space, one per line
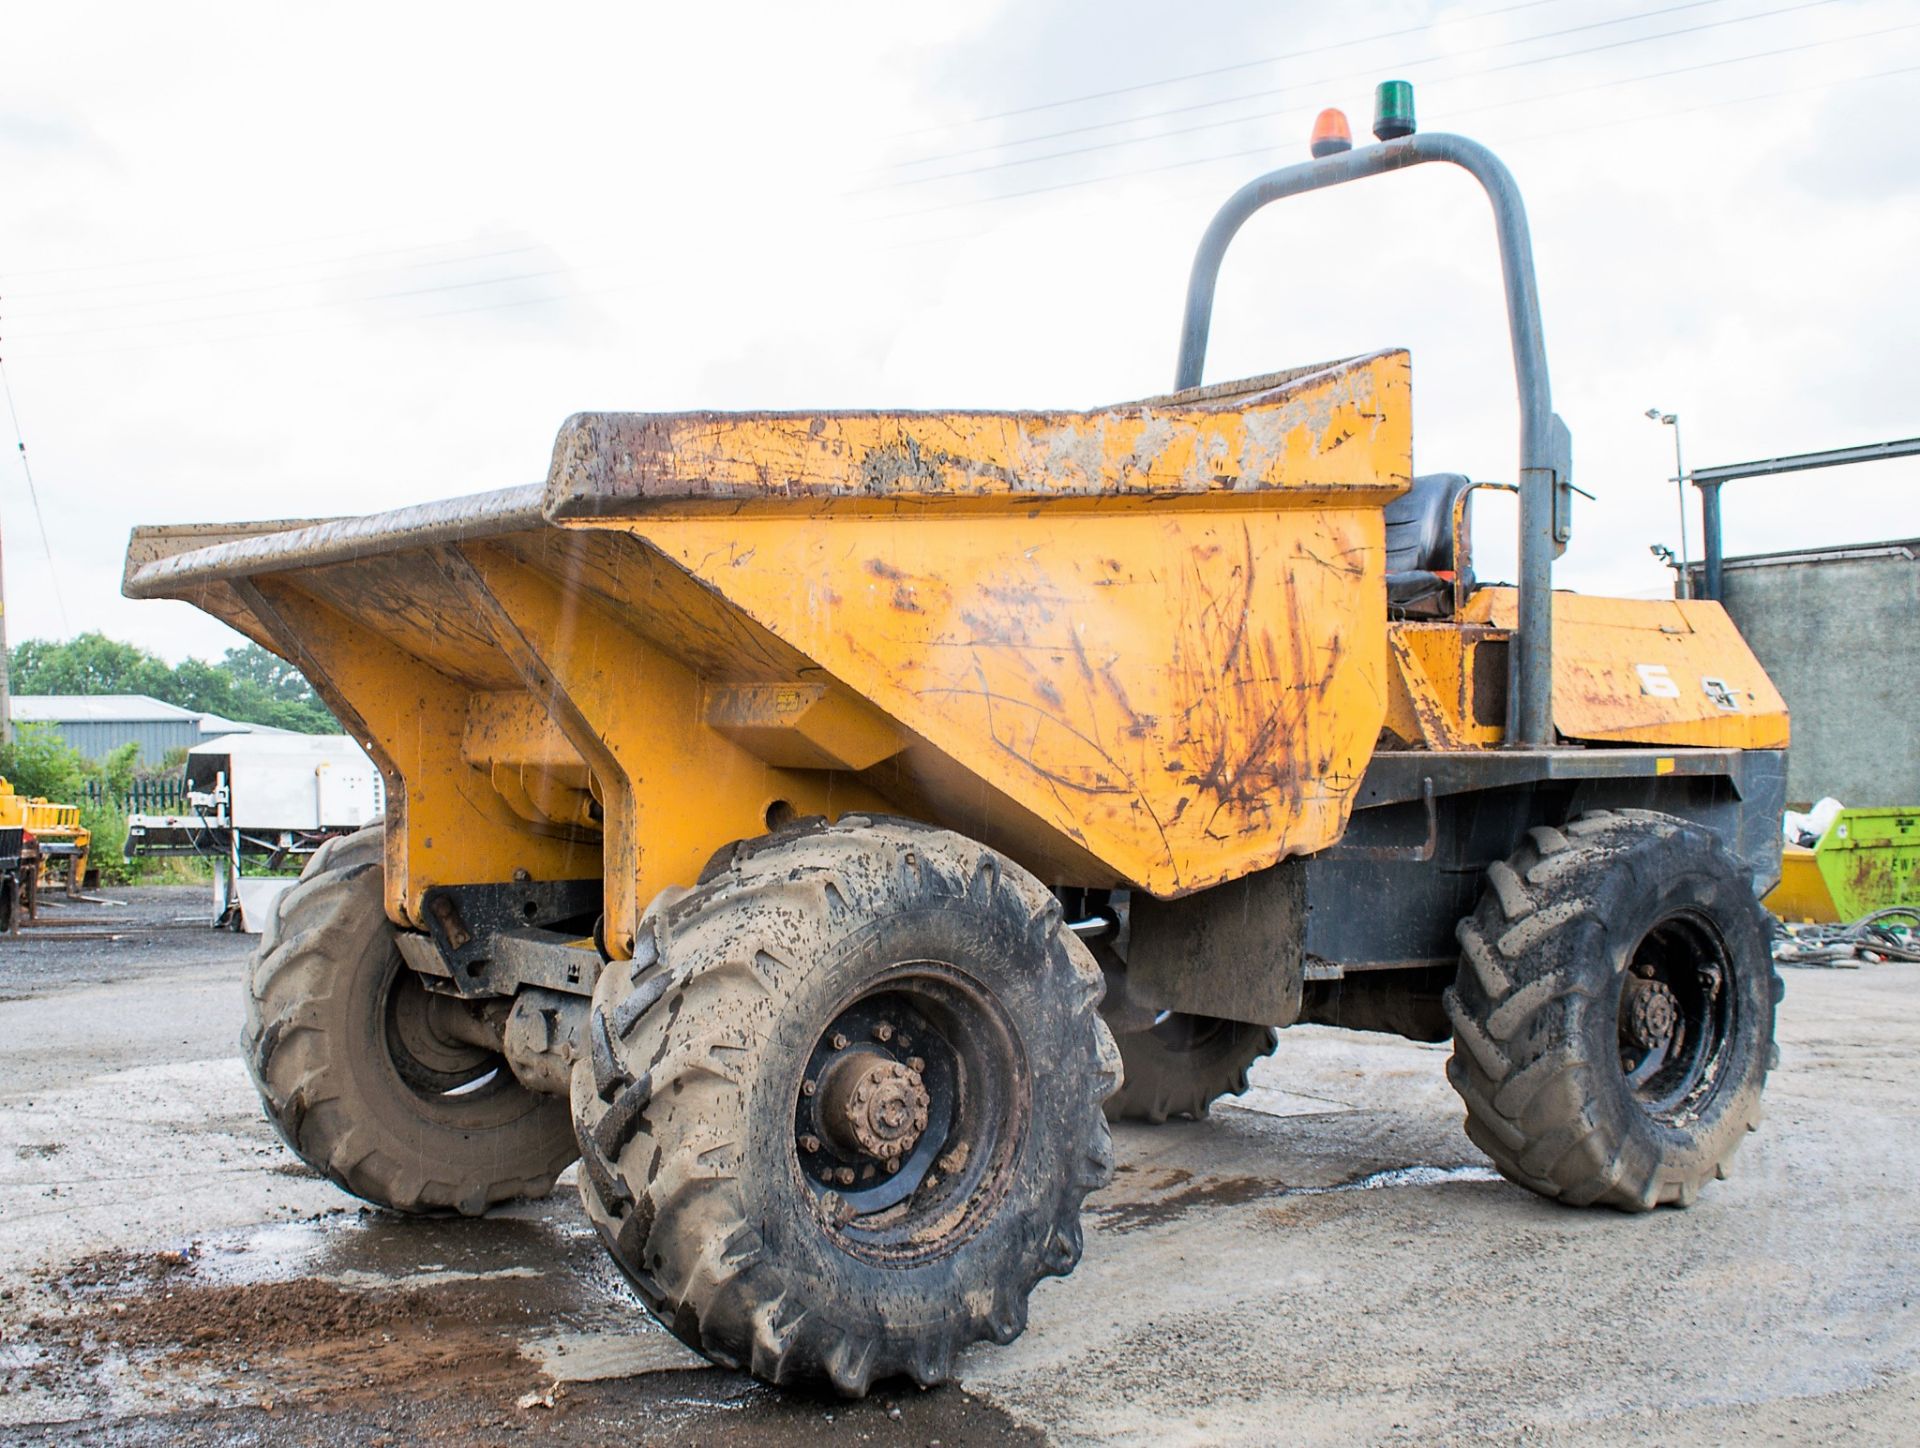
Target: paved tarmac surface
1331 1262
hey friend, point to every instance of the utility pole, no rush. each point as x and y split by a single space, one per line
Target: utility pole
6 671
1672 420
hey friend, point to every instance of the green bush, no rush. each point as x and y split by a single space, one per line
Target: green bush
39 764
109 826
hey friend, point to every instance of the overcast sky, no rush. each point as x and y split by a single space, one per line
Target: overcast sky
262 261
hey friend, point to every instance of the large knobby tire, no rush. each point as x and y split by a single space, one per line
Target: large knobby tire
1613 1016
339 1040
905 973
1185 1063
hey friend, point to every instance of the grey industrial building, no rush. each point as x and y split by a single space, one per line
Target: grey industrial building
98 724
1838 629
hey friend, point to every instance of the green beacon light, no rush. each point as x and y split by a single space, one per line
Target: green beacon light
1393 110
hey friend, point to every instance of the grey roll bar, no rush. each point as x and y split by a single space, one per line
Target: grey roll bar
1545 446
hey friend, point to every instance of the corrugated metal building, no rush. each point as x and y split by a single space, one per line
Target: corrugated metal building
98 724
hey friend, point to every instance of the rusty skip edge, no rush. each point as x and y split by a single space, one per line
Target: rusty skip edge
423 525
624 463
1209 442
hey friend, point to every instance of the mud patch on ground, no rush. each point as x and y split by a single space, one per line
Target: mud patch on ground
268 1341
105 1271
1124 1217
1293 1213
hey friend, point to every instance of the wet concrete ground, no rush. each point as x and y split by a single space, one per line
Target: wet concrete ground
1329 1262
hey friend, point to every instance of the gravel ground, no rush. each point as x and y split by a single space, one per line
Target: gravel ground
1331 1261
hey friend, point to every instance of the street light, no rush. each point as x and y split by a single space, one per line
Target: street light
1672 420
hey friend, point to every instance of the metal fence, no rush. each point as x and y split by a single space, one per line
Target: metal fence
146 796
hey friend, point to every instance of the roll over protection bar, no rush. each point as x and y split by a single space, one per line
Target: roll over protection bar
1546 470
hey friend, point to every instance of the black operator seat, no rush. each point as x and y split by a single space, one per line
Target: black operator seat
1420 543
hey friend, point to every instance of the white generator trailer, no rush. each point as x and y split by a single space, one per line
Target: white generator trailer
269 798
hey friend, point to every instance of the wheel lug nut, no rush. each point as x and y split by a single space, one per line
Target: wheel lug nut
916 1064
893 1163
839 1042
846 1176
826 1177
883 1032
809 1143
807 1088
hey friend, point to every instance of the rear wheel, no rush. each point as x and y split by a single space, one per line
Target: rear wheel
1613 1017
1183 1064
344 1043
839 1114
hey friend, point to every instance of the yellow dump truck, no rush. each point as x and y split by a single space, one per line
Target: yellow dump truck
819 824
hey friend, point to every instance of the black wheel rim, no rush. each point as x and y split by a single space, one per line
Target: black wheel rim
428 1061
909 1114
1674 1016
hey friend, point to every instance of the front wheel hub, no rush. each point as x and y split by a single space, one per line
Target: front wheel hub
1652 1013
874 1105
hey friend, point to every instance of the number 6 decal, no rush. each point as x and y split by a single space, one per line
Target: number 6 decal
1656 681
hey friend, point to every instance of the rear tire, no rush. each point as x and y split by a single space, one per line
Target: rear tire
839 1113
339 1041
1183 1064
1613 1016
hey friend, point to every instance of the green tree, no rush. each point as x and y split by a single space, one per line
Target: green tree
91 663
248 684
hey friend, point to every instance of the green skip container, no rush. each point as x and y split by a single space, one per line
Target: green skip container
1868 860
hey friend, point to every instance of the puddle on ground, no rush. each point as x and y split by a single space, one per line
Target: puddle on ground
376 1328
510 1319
373 1248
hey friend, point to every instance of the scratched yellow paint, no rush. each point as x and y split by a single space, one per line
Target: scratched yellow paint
1187 696
1651 671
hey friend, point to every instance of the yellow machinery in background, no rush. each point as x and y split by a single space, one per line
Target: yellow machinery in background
787 811
38 840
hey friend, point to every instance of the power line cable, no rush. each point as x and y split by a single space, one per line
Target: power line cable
1265 150
375 325
260 287
198 255
1339 79
272 286
305 306
34 493
1218 70
1262 150
1684 70
1507 44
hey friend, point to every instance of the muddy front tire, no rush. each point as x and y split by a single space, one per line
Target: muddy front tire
839 1113
1613 1017
340 1041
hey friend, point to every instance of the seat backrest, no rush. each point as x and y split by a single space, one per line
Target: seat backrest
1420 524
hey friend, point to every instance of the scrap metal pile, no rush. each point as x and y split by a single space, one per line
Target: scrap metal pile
1890 934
